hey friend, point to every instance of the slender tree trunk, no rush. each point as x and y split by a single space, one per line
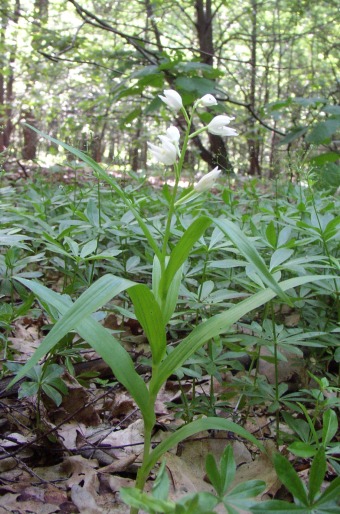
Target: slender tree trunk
274 137
218 155
7 82
29 150
253 144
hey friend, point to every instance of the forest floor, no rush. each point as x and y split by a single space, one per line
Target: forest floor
76 456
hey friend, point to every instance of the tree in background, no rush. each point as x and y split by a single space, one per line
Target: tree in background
93 68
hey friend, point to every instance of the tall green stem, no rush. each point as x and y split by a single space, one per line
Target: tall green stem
276 370
178 171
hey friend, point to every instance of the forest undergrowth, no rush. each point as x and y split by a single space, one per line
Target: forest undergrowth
171 351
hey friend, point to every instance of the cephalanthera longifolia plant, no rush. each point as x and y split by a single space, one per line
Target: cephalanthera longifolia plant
155 305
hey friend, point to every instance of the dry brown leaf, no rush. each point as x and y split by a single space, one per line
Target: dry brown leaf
85 500
119 465
126 442
184 478
83 482
26 339
12 503
76 402
195 451
286 369
68 434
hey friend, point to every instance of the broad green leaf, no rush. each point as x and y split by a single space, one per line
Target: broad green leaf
97 295
290 478
139 500
278 507
59 384
35 373
88 248
332 493
250 253
53 371
245 490
167 304
279 256
150 317
52 393
323 131
213 474
198 85
199 425
218 324
329 175
293 135
302 449
271 234
28 389
227 468
316 474
182 250
200 503
329 426
323 158
299 426
161 485
95 334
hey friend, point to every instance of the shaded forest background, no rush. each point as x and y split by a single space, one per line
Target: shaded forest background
89 73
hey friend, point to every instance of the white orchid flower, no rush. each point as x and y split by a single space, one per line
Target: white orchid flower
166 153
207 100
172 99
208 181
173 134
218 126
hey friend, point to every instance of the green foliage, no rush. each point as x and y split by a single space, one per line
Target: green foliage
188 276
221 478
312 500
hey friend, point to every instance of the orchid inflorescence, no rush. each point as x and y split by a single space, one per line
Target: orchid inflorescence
169 153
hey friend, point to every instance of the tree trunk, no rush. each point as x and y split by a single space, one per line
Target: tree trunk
253 144
29 150
218 155
7 82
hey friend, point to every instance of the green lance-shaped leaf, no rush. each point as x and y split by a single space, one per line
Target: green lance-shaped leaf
290 478
279 507
181 251
248 250
218 324
77 316
101 173
329 426
199 425
331 494
150 316
317 474
222 478
167 304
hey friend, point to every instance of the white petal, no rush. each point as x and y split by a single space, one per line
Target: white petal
218 126
207 181
208 100
173 134
172 99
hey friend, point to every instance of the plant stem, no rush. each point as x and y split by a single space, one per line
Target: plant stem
276 371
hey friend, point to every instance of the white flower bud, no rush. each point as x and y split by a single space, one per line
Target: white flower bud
208 181
218 126
208 100
172 133
166 153
172 99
